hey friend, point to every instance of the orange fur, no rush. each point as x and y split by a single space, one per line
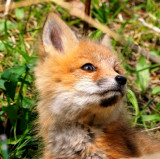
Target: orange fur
122 141
58 71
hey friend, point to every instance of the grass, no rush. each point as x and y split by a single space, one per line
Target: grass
19 35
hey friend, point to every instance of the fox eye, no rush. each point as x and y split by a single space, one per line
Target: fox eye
88 67
116 68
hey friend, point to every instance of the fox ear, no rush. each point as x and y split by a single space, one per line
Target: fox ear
106 41
57 36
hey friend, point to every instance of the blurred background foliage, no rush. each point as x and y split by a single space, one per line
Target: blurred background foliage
19 36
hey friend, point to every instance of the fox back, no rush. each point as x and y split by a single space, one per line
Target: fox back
82 88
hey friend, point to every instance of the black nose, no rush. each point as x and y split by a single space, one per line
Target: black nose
121 80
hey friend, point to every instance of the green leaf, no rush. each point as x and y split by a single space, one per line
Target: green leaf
11 112
2 47
23 53
9 24
96 2
19 13
152 117
96 34
12 76
154 53
142 76
132 98
14 73
25 120
155 90
158 106
11 88
27 102
2 84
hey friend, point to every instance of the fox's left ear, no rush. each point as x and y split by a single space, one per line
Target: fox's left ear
106 41
57 36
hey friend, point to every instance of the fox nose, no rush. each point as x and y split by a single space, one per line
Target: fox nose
121 80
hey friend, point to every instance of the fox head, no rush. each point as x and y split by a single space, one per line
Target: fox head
78 78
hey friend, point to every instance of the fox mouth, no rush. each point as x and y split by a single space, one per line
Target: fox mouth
110 101
113 96
112 90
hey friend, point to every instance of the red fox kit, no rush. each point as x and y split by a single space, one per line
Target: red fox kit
82 87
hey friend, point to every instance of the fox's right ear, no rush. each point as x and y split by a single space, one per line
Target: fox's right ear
57 36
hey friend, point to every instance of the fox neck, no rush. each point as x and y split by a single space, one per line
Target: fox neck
67 107
95 117
100 117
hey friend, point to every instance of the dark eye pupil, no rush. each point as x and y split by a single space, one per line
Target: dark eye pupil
116 68
117 71
88 67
